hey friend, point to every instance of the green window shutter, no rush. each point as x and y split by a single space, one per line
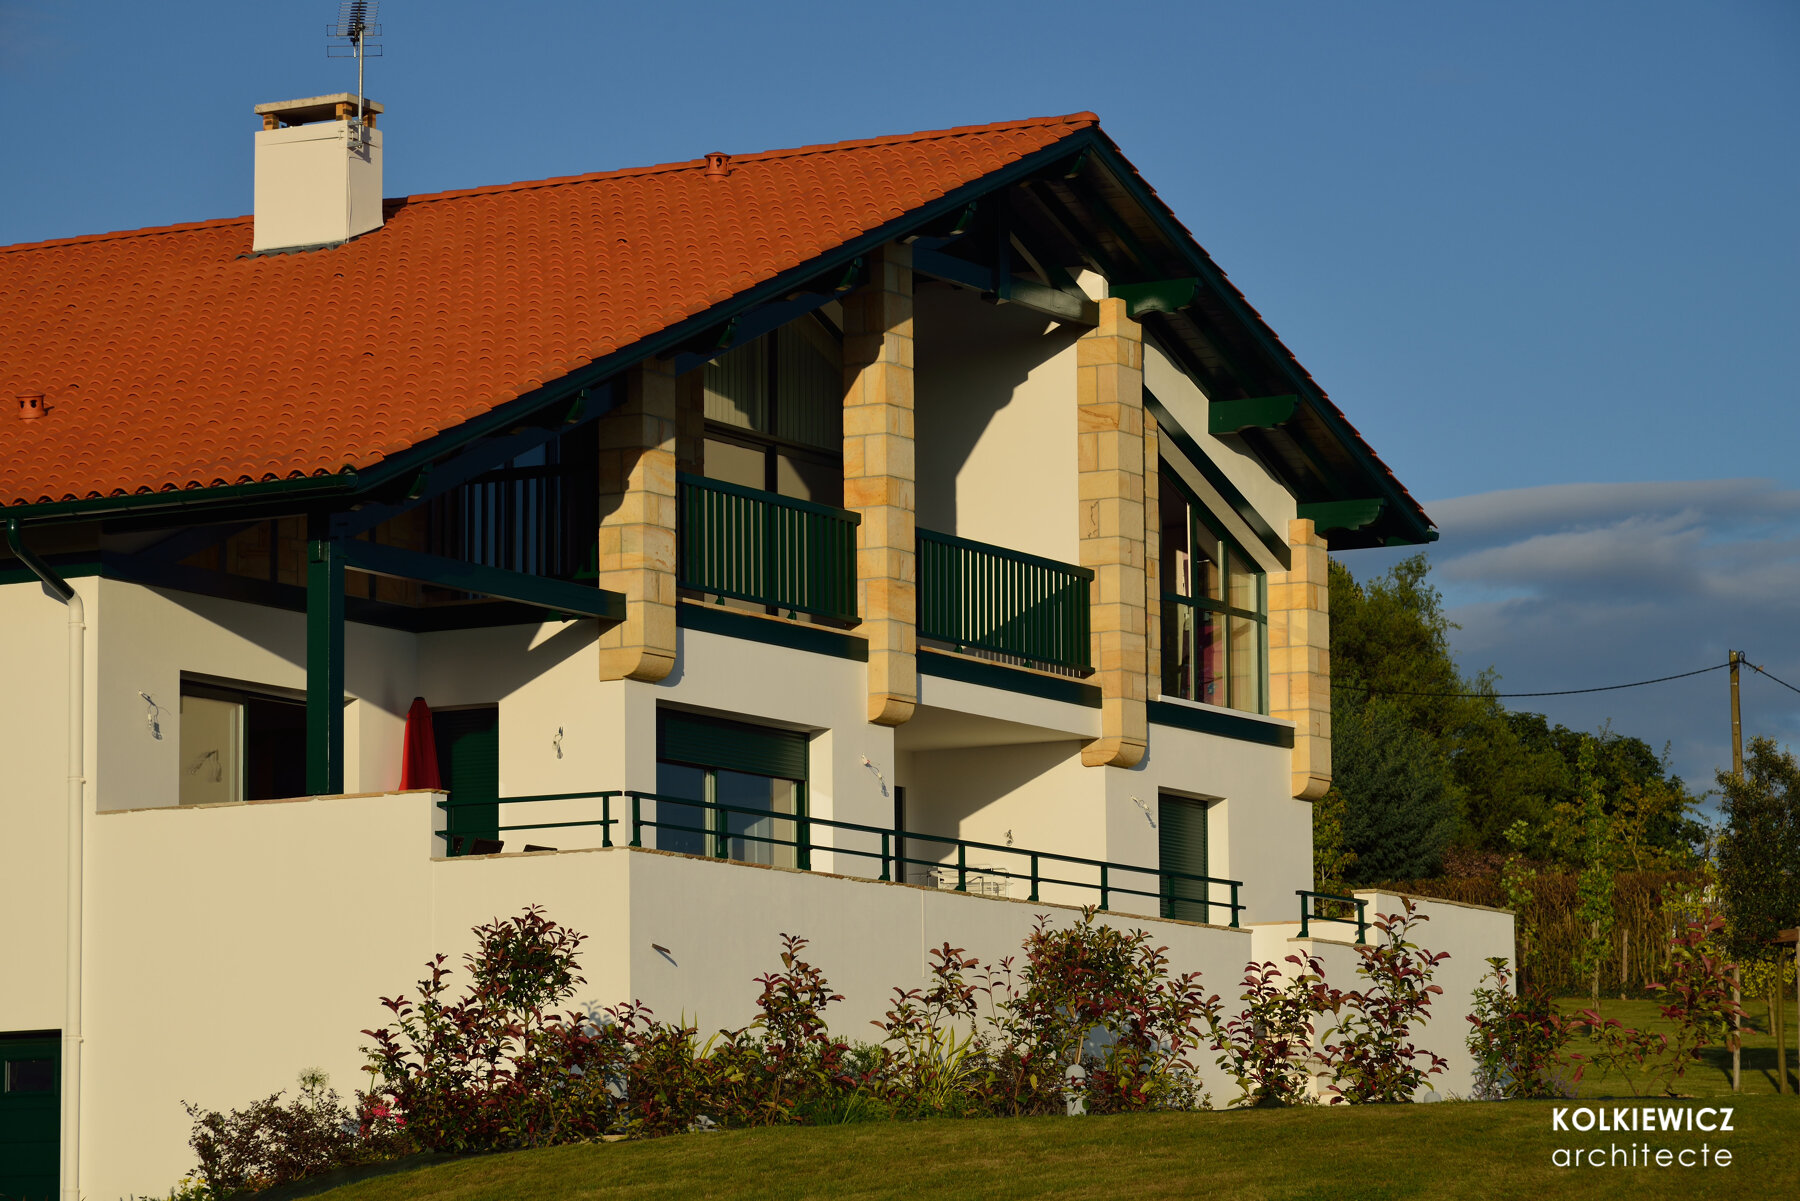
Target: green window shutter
468 747
1181 833
731 745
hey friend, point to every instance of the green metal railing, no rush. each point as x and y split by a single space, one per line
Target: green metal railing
1362 925
711 826
773 550
989 598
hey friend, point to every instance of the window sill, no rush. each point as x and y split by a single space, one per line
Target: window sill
1203 718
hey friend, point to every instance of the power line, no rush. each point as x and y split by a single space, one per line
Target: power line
1561 692
1759 671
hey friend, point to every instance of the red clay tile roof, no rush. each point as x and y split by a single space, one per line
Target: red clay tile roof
170 360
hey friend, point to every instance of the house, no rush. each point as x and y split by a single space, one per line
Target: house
881 542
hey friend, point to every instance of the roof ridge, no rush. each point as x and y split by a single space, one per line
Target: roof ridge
1075 120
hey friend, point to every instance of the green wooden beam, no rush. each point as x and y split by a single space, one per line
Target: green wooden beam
1160 296
324 667
1255 413
1341 514
557 596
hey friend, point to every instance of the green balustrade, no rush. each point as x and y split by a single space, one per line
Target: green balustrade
885 848
988 598
745 544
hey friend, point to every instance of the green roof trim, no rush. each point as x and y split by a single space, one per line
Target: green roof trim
1342 514
1259 412
1161 296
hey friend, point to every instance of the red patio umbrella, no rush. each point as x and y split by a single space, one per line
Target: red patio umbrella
418 756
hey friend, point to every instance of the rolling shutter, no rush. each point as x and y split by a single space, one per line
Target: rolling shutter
730 745
1181 832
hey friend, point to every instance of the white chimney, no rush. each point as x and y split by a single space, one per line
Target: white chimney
318 172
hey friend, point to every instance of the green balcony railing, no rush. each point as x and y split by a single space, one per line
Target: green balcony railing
719 831
765 548
1330 907
988 598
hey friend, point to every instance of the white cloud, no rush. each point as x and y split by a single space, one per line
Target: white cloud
1578 585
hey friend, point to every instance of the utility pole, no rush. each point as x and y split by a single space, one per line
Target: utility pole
1737 769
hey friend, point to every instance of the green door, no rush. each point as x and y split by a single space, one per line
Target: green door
468 747
30 1092
1181 831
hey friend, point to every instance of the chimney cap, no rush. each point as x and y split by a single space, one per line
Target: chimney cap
309 109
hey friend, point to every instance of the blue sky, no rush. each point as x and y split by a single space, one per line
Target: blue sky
1526 247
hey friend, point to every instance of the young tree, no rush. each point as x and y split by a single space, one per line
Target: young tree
1595 885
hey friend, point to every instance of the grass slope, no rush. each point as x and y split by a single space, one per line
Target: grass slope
1711 1077
1373 1152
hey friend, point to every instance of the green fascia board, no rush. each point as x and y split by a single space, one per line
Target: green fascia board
1341 514
1168 427
558 596
1013 679
795 635
1415 527
1259 412
1160 296
222 497
1243 728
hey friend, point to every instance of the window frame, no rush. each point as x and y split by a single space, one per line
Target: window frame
1230 553
767 441
243 695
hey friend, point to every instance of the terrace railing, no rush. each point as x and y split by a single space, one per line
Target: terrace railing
725 831
745 544
1319 907
987 598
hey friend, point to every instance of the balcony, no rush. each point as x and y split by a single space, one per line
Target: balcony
1004 605
789 555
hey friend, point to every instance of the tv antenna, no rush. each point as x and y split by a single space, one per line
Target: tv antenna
357 22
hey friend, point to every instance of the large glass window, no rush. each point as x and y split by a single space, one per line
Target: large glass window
1214 608
774 413
747 785
238 745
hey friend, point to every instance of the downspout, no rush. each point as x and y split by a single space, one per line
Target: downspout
71 1032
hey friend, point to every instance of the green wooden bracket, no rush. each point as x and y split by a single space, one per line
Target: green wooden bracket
577 407
1078 165
1258 412
851 277
558 596
1161 296
325 666
1341 514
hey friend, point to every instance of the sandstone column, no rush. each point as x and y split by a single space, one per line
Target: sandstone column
1109 395
878 477
1300 657
637 524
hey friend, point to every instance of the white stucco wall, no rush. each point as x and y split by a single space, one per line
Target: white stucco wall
234 946
995 419
1470 934
33 796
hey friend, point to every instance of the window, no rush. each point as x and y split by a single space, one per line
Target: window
240 745
774 413
750 782
1214 611
1181 838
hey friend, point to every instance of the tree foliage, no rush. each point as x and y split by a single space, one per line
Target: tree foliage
1398 814
1390 647
1759 851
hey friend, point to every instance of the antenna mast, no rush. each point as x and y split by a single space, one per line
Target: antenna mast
356 23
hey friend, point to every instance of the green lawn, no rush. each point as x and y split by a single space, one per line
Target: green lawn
1375 1152
1709 1078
